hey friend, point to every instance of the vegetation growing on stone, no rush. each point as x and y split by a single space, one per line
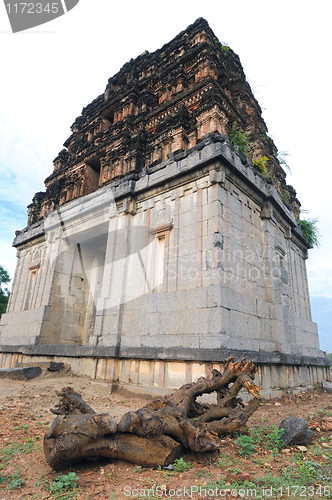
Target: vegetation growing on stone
237 137
260 163
222 46
281 157
310 231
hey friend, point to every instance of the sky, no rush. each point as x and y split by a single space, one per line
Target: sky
49 73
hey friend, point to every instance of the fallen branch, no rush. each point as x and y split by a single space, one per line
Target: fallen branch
155 434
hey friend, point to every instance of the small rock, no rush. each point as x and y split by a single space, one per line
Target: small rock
296 431
302 448
326 424
286 450
325 445
277 404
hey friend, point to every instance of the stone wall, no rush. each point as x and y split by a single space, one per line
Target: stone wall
200 254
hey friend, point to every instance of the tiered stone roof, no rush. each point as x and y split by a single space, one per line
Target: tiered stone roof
156 106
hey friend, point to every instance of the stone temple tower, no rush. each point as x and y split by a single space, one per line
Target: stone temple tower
167 237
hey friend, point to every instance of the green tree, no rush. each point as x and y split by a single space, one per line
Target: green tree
4 292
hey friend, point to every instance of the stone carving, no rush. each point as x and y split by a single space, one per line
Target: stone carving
157 106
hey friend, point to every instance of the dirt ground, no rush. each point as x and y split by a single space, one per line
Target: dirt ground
24 473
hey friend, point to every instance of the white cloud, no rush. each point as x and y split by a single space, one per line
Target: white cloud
21 169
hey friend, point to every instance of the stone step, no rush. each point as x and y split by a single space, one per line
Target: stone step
52 366
23 373
327 386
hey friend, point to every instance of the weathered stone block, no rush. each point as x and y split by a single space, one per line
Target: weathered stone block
109 340
24 373
52 366
327 386
263 309
175 374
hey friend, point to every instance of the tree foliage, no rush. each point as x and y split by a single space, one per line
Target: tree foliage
4 292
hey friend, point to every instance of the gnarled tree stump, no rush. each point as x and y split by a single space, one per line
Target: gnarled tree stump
155 434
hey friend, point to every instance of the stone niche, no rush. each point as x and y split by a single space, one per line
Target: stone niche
158 250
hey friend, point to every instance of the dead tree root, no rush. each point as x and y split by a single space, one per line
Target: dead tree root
155 434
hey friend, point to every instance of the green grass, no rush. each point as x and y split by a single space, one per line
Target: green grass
268 438
12 482
7 454
304 475
226 460
301 480
64 486
15 482
246 445
64 482
180 465
13 449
